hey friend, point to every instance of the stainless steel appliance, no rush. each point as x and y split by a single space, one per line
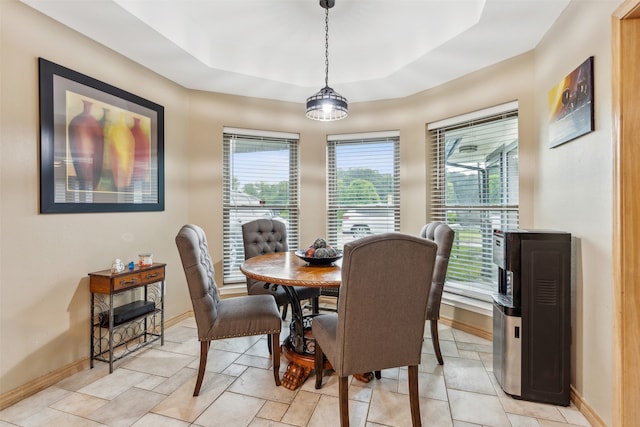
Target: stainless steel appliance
531 314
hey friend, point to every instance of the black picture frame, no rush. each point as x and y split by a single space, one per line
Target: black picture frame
101 147
571 105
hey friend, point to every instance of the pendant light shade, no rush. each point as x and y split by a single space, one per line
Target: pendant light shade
327 104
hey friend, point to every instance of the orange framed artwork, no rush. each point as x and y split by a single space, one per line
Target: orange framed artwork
571 105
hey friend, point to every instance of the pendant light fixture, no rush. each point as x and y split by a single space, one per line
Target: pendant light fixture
326 105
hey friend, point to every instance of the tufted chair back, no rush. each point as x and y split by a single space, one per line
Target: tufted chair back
265 236
443 235
199 272
262 236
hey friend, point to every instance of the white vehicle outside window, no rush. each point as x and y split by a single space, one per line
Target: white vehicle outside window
363 221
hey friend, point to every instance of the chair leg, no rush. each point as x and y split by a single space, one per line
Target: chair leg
436 341
414 399
284 311
315 305
343 395
319 365
275 345
204 350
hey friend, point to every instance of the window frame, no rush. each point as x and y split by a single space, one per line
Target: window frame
504 212
336 209
247 208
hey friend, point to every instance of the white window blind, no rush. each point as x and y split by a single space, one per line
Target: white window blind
260 181
363 185
475 190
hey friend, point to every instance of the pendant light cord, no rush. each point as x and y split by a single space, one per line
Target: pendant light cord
326 47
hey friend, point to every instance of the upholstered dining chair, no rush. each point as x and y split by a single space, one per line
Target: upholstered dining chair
381 274
228 318
443 235
265 236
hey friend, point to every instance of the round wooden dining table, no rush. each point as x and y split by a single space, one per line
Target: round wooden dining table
287 270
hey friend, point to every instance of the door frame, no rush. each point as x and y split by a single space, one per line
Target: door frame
626 211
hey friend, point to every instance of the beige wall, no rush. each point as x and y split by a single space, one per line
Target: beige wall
574 189
44 300
44 259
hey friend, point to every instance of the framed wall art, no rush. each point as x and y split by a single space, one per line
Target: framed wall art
571 105
101 148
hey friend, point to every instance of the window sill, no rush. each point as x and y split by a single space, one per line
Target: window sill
454 300
466 303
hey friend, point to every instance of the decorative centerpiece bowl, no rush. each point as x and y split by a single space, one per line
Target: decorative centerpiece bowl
318 261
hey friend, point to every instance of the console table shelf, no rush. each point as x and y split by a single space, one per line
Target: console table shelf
140 326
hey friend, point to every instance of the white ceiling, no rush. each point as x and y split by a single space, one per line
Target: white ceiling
378 49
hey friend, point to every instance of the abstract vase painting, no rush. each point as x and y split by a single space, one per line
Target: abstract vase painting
110 148
122 145
86 147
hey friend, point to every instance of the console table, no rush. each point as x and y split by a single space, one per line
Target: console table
119 331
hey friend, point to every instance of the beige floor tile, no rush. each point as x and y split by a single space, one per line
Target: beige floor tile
80 379
487 360
171 384
327 413
235 370
391 373
255 361
237 345
358 392
477 408
273 411
573 416
190 347
259 348
429 364
465 424
230 409
467 375
182 405
155 420
261 422
549 423
53 417
532 409
157 362
466 354
447 348
260 383
217 360
180 334
301 408
329 384
110 386
391 409
429 386
79 404
522 421
435 413
465 337
127 408
239 390
445 333
484 348
25 408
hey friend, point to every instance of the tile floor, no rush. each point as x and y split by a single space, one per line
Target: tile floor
154 387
